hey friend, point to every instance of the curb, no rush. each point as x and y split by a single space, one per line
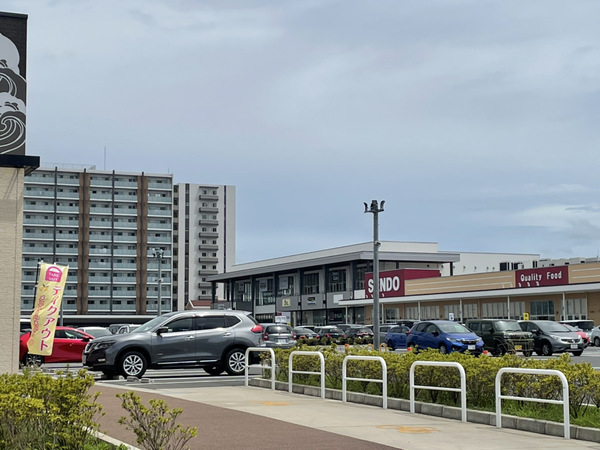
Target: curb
432 409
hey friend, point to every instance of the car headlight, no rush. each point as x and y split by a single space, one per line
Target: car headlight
454 340
103 345
479 340
554 336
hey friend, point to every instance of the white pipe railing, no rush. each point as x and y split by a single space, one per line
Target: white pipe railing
321 372
564 401
462 389
383 380
247 363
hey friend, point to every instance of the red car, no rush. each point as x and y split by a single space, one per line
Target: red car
582 334
68 347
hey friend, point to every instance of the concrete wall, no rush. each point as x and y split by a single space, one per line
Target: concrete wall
11 241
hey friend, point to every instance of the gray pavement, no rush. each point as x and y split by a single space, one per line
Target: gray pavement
253 417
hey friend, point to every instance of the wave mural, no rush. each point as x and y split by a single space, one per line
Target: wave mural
13 89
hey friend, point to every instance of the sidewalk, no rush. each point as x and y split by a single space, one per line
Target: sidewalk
258 418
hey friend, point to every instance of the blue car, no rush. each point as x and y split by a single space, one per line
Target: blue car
445 335
396 337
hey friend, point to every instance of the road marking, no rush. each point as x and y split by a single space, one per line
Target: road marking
411 430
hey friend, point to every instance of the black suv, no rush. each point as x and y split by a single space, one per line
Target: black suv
213 340
502 336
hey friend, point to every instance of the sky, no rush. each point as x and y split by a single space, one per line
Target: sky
476 121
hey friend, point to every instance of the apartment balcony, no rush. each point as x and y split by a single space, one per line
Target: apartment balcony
45 208
160 212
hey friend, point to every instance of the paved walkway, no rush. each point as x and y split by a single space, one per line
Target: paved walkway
259 418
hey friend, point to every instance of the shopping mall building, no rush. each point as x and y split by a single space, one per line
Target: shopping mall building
417 281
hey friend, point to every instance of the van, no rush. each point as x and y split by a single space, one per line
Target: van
501 336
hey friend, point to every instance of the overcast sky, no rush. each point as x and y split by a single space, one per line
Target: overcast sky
476 121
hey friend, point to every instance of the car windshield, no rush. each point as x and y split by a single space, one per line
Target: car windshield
550 327
507 325
453 328
278 329
571 327
303 330
152 323
585 325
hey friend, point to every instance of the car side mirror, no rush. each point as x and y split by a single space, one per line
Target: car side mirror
162 330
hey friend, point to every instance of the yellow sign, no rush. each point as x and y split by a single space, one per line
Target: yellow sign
48 298
525 316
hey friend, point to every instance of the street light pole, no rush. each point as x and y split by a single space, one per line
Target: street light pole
375 209
158 253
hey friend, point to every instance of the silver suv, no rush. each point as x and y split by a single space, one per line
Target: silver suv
213 340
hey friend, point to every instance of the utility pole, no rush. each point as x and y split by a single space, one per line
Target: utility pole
375 209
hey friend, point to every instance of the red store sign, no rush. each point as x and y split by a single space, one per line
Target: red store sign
391 282
545 276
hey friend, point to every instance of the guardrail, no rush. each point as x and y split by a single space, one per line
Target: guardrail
383 380
564 401
321 372
462 389
247 365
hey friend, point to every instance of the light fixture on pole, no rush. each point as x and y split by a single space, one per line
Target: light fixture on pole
158 253
375 209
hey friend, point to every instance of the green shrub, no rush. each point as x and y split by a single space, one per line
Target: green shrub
39 411
155 427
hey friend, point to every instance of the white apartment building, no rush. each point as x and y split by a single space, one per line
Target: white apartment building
204 241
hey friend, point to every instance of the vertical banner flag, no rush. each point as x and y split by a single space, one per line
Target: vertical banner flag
47 308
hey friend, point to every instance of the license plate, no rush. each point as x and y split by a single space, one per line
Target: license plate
573 345
471 347
518 347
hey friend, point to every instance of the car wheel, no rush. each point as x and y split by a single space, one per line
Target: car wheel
597 341
390 345
215 370
499 349
443 349
30 360
546 349
133 364
235 362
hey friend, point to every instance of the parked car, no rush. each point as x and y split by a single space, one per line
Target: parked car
114 327
331 331
95 331
582 334
67 347
278 335
396 337
502 336
584 325
214 340
358 331
305 333
445 335
552 337
595 336
124 329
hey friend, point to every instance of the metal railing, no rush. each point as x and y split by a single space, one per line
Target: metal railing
247 365
564 401
462 389
383 380
321 372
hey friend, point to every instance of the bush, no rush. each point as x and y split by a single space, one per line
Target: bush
155 427
480 372
39 411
